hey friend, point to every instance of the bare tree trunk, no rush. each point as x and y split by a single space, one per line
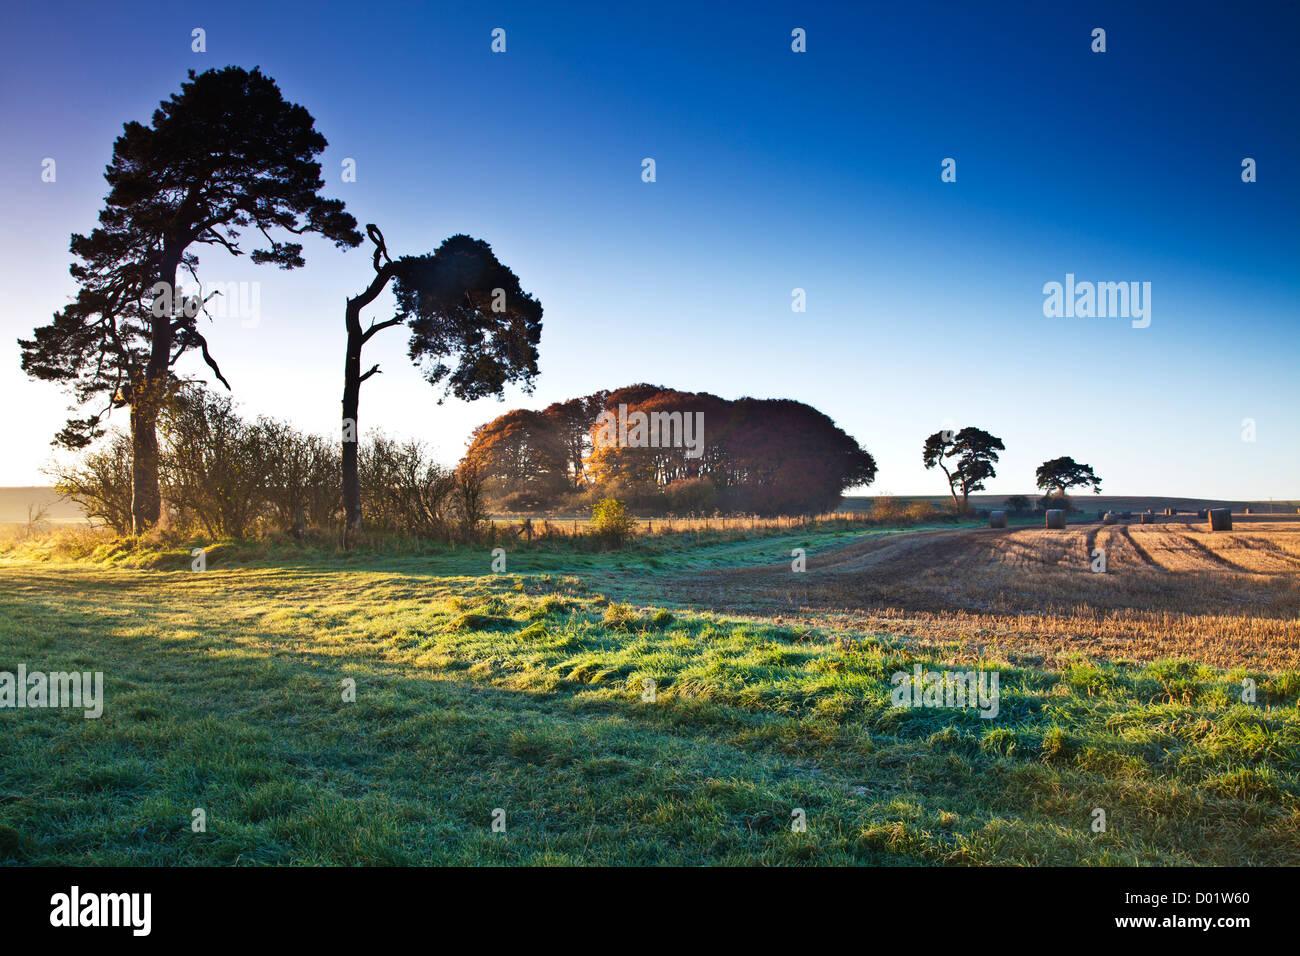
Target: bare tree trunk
353 377
148 392
351 401
146 498
957 506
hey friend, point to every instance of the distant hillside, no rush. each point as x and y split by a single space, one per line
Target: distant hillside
1094 502
14 503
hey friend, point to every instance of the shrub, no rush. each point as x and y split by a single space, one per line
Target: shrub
101 483
1061 502
303 482
611 522
1017 505
214 466
886 509
233 477
469 497
403 491
691 496
920 511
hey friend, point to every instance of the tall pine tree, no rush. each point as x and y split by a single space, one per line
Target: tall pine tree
226 154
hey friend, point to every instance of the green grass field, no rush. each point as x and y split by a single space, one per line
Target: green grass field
523 692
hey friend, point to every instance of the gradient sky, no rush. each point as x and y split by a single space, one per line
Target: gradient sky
776 170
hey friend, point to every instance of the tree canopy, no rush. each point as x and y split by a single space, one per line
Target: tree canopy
1062 474
966 459
225 154
464 304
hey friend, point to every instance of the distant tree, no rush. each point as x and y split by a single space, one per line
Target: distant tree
1061 474
226 153
460 304
469 497
1017 504
966 459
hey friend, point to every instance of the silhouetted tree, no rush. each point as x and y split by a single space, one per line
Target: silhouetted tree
966 459
462 305
226 153
1062 474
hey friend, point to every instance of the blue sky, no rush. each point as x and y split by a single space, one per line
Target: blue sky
775 171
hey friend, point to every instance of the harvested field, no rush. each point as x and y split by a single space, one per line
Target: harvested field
1172 588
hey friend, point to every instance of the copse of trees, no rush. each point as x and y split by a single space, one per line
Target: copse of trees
764 456
523 458
225 154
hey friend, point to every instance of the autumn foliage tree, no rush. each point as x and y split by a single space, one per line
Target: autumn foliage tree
571 421
226 154
524 457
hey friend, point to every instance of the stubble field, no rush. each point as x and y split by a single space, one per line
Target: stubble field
1170 589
